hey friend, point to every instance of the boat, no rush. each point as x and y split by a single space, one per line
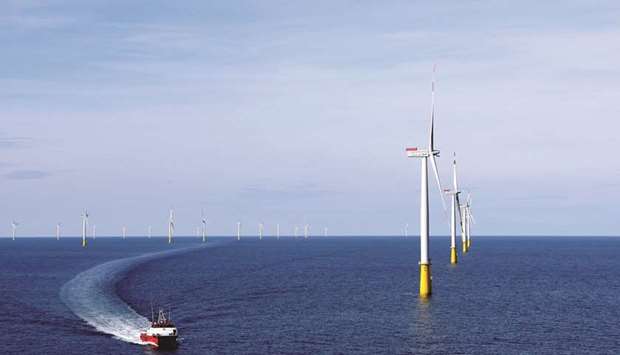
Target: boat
162 334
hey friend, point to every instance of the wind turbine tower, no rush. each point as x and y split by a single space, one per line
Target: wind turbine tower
425 155
94 231
278 231
454 206
150 231
58 231
238 230
170 226
306 227
124 232
204 227
13 229
84 227
296 228
260 231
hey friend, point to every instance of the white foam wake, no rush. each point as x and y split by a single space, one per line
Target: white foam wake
91 296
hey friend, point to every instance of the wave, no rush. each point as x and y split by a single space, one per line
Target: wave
91 295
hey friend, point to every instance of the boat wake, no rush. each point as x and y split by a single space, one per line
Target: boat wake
91 295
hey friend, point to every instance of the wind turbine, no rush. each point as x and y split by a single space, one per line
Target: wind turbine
170 226
238 230
469 218
204 226
406 230
306 227
149 232
426 154
13 228
278 231
325 232
124 232
58 230
455 205
84 227
260 231
94 231
296 228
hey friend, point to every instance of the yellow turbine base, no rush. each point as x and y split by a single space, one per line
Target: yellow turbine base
453 257
425 280
464 247
83 243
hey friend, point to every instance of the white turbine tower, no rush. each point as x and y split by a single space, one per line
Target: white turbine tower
296 228
94 231
260 231
278 231
150 232
469 220
426 154
204 226
325 232
306 227
170 226
454 207
124 232
406 230
13 229
84 227
238 230
58 230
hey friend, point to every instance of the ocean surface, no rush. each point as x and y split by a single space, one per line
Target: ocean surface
508 295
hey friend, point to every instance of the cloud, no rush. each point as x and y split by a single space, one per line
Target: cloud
27 175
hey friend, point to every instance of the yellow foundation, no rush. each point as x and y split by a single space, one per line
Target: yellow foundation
83 243
453 257
425 280
464 247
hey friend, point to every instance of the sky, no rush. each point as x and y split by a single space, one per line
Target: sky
299 113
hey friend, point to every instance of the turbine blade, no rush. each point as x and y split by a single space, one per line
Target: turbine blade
434 164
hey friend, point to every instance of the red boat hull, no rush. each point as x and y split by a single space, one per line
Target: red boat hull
163 342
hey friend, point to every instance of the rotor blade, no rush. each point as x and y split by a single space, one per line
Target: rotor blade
458 206
472 217
434 164
431 143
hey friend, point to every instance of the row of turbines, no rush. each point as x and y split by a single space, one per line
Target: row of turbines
200 231
462 208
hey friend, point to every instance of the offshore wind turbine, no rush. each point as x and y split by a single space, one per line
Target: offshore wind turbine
325 232
278 231
203 219
306 231
238 230
426 154
13 229
406 230
84 227
260 231
170 226
124 232
94 231
454 206
58 231
150 231
469 218
296 228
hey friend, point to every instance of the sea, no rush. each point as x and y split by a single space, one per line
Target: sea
321 295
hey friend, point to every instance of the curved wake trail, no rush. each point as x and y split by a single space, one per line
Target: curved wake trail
91 296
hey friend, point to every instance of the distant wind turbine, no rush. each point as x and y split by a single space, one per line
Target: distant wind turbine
296 231
306 227
170 226
260 231
58 230
94 231
238 230
204 227
124 232
13 229
325 232
454 206
406 230
426 154
84 227
278 231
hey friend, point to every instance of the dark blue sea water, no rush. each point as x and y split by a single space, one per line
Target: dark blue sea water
323 295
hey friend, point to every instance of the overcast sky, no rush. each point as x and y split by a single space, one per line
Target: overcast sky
299 112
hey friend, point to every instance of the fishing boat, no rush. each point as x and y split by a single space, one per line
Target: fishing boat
162 334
